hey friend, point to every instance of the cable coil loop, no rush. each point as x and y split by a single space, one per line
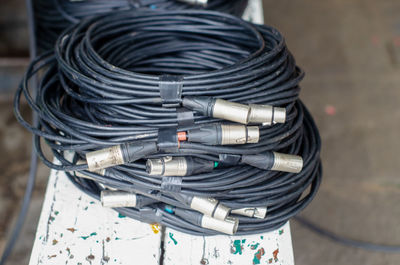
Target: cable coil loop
52 17
114 94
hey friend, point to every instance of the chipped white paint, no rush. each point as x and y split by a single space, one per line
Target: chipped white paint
76 229
268 248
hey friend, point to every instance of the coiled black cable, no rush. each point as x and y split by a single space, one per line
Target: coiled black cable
101 88
54 16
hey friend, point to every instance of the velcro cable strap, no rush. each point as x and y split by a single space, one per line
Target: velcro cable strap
170 90
168 140
185 117
171 184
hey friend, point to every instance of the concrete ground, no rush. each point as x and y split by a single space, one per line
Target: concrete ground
350 51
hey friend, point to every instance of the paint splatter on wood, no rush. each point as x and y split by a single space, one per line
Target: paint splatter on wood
86 237
204 261
121 215
254 246
258 255
171 236
90 257
275 254
156 228
237 247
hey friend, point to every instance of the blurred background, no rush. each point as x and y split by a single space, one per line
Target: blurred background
350 51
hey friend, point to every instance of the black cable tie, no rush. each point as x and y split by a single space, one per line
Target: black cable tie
167 140
170 90
185 117
171 184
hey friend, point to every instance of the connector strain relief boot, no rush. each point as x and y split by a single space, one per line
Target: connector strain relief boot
262 161
134 151
197 165
203 105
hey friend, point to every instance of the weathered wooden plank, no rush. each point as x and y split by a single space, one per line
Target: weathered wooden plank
268 248
75 229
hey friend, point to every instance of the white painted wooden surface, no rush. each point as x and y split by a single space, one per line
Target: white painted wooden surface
268 248
75 229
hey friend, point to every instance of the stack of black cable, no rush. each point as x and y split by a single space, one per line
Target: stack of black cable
54 16
190 119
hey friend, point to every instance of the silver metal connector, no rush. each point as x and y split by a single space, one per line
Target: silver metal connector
266 114
256 212
100 172
104 158
287 163
279 115
195 2
221 212
253 134
228 226
210 207
79 174
116 199
231 111
234 221
239 134
167 166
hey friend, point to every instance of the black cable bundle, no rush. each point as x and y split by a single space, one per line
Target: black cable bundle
190 119
54 16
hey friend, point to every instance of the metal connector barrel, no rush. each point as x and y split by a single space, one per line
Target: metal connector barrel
287 163
104 158
236 112
119 154
210 207
195 2
80 174
224 134
231 111
178 166
256 212
167 166
239 134
266 114
228 226
116 199
275 161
